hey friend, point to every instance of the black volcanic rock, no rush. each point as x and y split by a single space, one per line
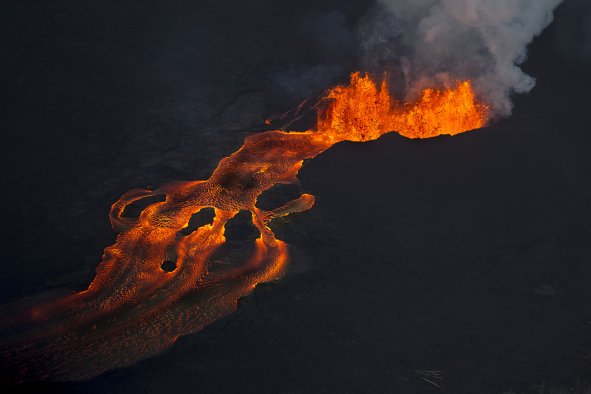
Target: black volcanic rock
467 255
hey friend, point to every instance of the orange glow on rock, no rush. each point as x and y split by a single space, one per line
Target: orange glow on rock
133 308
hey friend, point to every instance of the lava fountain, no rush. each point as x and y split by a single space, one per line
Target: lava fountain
133 308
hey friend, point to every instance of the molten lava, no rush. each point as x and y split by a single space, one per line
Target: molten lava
363 111
133 308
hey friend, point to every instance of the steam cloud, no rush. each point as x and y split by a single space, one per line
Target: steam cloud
435 42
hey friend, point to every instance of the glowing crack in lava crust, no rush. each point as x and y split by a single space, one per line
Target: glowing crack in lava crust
133 308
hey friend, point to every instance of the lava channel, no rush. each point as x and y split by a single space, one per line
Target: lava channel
133 308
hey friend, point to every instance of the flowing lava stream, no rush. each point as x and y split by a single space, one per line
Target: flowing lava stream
133 308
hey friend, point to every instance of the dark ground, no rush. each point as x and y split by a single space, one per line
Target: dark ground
467 255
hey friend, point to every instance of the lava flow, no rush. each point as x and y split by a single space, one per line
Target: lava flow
133 308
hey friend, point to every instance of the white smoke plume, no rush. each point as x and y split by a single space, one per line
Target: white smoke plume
435 42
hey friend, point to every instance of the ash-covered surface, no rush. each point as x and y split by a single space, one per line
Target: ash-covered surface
469 255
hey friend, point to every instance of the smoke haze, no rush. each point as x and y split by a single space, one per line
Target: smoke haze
436 42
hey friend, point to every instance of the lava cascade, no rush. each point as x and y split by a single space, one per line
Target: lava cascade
133 308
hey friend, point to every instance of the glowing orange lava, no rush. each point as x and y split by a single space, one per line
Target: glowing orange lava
363 111
133 308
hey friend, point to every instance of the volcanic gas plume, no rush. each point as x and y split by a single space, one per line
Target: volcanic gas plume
133 308
428 43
